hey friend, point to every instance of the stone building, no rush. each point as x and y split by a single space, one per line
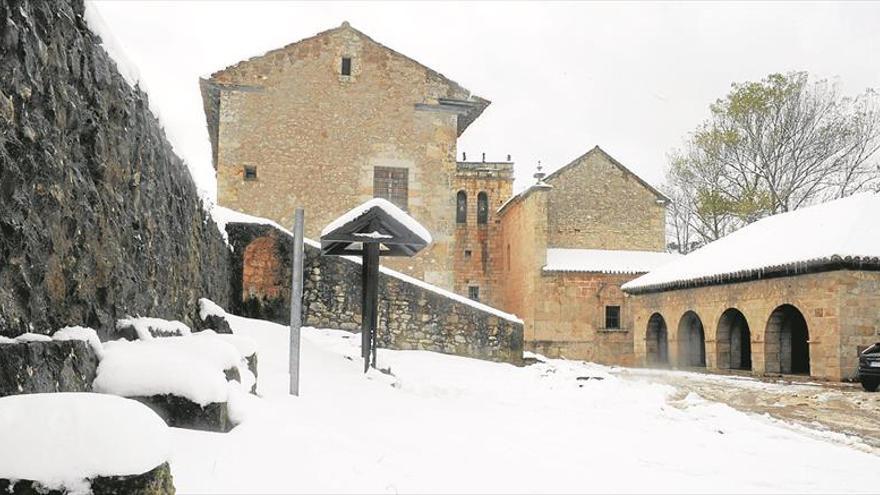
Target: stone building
796 293
332 120
566 246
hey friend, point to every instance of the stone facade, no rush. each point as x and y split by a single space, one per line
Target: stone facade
98 218
43 367
411 316
477 258
592 203
314 137
838 309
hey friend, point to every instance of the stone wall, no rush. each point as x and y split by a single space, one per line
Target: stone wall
596 203
478 258
98 218
43 367
410 316
569 318
840 309
291 114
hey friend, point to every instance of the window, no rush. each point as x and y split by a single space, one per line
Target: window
482 208
612 316
391 183
250 173
474 293
461 207
467 253
346 66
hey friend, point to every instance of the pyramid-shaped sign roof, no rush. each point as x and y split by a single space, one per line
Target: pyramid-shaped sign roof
375 221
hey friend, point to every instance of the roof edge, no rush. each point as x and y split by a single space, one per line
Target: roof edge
615 162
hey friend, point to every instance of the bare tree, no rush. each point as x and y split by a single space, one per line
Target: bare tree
774 146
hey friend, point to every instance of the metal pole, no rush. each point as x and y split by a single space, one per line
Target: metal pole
370 309
296 293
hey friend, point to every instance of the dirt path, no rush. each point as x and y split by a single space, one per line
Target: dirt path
838 407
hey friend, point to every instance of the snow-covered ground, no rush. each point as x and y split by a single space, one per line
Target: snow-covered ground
449 424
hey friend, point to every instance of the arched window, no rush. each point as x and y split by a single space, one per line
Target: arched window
482 208
461 207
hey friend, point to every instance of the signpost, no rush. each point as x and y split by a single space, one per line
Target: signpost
373 229
296 293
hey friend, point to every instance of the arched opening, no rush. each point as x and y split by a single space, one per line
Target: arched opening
461 207
733 341
261 270
656 341
787 342
691 341
482 207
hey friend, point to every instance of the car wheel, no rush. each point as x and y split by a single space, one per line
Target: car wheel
870 384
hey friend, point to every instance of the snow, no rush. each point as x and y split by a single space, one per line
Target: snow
845 228
142 326
81 333
604 260
6 340
208 308
225 215
33 337
244 345
388 207
188 366
62 439
447 424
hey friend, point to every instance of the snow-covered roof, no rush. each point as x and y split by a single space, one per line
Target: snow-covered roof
605 260
388 207
844 233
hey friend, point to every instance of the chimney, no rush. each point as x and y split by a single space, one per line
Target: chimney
508 157
539 175
484 157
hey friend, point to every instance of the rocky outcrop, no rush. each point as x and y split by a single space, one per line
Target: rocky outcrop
157 481
180 412
56 366
98 217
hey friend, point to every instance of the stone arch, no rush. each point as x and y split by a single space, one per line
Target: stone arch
787 342
461 207
691 341
482 207
733 341
261 276
656 341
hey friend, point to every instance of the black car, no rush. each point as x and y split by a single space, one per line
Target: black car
869 367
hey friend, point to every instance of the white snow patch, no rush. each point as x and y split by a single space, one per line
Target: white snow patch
388 207
208 308
184 366
605 260
81 333
62 439
553 427
142 326
244 345
33 337
845 228
373 235
6 340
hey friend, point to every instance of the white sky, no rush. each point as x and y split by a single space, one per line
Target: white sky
634 78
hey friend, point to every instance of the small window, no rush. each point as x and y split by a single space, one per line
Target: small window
482 208
346 66
392 183
467 253
612 316
474 293
461 207
250 173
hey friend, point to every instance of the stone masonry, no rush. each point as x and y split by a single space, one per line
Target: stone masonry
314 137
839 308
410 315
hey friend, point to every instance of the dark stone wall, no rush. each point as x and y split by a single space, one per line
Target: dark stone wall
98 218
410 316
42 367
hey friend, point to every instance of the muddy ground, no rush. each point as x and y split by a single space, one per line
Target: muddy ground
837 407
